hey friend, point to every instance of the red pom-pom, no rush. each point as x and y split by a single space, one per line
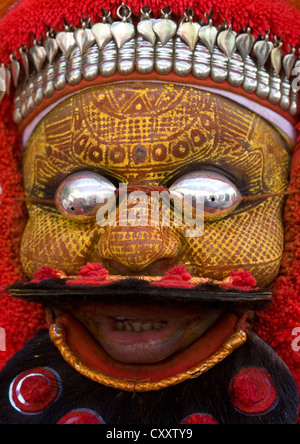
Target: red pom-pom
199 418
96 271
252 391
81 417
176 277
241 280
46 272
34 390
91 274
178 273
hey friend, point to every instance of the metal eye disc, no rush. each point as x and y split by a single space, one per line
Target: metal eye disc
220 195
81 194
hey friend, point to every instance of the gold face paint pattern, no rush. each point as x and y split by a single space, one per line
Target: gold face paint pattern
152 134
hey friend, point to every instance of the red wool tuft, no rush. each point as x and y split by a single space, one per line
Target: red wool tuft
96 271
252 391
176 277
81 417
241 280
19 319
177 273
199 418
46 272
36 389
91 274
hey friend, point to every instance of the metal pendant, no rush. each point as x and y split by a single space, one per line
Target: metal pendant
90 63
122 32
189 32
84 39
8 80
262 50
165 29
276 58
288 63
294 93
48 86
227 42
66 42
201 62
145 29
108 60
2 83
208 36
244 43
102 34
15 70
51 47
38 55
60 69
24 62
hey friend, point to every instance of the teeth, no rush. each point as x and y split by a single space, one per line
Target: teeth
129 325
147 326
122 318
119 326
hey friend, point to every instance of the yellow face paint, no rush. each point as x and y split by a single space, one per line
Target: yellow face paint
152 134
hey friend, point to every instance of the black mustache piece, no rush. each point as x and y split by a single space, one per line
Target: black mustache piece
55 292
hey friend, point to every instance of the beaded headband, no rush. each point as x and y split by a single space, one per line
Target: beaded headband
161 45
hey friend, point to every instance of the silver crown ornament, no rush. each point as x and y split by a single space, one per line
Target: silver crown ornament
161 45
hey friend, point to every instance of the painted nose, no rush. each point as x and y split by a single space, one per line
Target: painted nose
137 245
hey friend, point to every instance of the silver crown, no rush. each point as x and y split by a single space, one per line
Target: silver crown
161 45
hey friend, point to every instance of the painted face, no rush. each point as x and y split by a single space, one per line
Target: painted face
157 135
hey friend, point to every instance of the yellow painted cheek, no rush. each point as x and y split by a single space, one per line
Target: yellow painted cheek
252 240
51 239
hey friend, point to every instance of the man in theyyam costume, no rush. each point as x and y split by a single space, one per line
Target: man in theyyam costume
150 177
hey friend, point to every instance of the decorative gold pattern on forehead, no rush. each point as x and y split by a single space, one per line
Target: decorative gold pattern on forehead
59 339
163 46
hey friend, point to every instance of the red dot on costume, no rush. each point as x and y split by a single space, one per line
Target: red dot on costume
34 390
199 418
252 391
81 417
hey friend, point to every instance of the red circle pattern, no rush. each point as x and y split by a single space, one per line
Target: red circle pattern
81 417
252 391
34 390
199 418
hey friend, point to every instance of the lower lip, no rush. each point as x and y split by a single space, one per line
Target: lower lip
138 347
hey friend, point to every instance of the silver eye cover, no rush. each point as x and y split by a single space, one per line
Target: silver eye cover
81 194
